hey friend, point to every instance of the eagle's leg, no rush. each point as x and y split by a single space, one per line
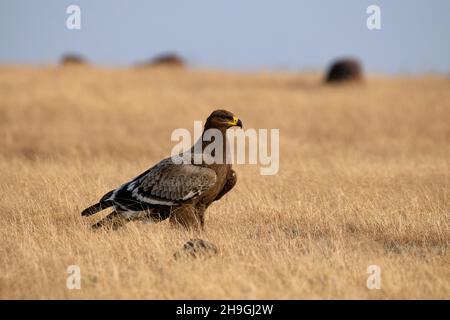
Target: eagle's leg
201 215
187 217
114 221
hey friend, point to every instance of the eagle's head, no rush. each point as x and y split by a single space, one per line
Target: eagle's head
222 119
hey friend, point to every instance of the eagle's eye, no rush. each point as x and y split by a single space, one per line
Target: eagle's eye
228 118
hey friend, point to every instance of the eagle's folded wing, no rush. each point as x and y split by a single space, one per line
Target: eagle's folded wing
166 183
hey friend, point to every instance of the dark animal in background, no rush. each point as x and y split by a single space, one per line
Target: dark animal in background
344 70
73 59
165 60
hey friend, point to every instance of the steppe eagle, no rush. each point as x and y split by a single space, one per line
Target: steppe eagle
179 191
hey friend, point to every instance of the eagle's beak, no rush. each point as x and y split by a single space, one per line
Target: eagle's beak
236 122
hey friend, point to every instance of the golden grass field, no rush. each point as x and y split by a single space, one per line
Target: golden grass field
364 179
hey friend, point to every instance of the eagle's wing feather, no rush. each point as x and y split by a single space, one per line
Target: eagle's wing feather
166 183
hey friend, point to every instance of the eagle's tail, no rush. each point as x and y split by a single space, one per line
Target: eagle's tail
104 203
96 208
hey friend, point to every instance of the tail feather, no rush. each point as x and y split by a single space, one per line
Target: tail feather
96 208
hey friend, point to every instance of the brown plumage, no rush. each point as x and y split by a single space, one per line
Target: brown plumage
180 192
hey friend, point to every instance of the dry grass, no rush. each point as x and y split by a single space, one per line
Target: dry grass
364 179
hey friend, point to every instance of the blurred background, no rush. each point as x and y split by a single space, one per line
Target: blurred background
244 35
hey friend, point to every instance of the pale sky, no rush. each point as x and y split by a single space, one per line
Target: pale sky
231 34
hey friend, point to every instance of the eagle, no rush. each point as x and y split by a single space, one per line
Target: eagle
180 191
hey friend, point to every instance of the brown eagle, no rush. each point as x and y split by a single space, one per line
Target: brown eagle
179 191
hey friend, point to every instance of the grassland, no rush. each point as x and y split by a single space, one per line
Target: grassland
364 179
